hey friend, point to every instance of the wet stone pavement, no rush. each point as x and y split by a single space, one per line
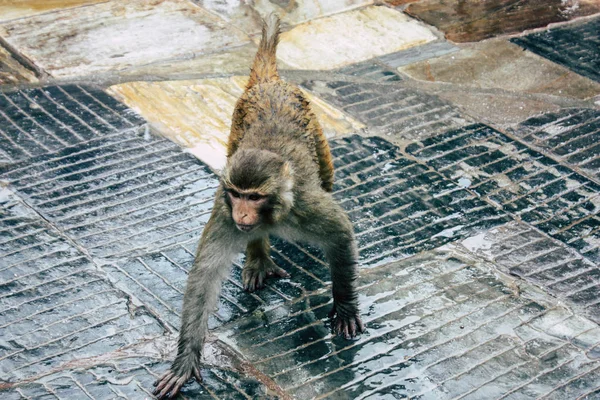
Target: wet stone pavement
465 141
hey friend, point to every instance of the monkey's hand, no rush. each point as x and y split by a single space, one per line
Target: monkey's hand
345 319
169 385
255 273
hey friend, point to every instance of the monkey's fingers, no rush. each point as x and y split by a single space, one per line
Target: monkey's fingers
169 385
278 272
360 325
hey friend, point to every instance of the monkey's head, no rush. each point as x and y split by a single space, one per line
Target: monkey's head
258 187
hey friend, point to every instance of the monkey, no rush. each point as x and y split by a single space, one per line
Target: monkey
278 180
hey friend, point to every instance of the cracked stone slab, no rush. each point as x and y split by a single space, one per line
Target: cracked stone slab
472 20
523 251
197 114
493 64
118 195
21 9
570 135
519 180
574 46
111 36
375 31
248 15
419 53
390 108
39 121
56 305
440 326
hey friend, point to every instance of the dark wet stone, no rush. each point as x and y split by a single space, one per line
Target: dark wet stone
473 20
119 195
554 198
56 306
46 120
573 46
571 136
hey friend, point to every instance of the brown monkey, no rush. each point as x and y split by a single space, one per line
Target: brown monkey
277 180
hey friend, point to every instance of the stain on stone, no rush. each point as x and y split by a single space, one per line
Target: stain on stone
492 64
474 20
574 46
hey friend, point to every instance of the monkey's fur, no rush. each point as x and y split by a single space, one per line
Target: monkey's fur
277 180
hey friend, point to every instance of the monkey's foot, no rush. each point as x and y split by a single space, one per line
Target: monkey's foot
255 274
346 325
168 385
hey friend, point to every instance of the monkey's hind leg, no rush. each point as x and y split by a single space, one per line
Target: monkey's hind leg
259 266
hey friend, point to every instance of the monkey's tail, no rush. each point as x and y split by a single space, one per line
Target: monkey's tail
264 68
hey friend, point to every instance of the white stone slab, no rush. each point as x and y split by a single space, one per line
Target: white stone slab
350 37
118 35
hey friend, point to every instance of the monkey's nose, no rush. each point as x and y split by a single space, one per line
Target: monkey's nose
245 228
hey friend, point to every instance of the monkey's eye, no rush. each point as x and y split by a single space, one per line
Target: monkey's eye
254 197
235 194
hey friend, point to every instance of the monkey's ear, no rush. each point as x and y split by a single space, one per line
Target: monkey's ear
287 178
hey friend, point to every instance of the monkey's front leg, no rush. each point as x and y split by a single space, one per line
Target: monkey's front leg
259 266
211 266
330 227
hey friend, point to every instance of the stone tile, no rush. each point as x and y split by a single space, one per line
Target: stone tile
56 306
45 120
389 108
523 182
118 195
521 250
440 326
197 114
569 135
370 70
112 36
494 64
419 53
473 20
375 31
25 8
248 15
12 72
574 46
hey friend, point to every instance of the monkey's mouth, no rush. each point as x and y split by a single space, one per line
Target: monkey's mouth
245 228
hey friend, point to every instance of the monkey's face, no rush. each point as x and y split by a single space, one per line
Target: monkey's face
258 188
247 208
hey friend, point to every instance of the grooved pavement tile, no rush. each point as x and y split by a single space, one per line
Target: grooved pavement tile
520 181
523 251
56 305
574 46
390 108
119 195
45 120
571 135
440 326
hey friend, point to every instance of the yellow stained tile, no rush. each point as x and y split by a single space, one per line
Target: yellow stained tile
12 72
350 37
197 114
112 36
12 9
